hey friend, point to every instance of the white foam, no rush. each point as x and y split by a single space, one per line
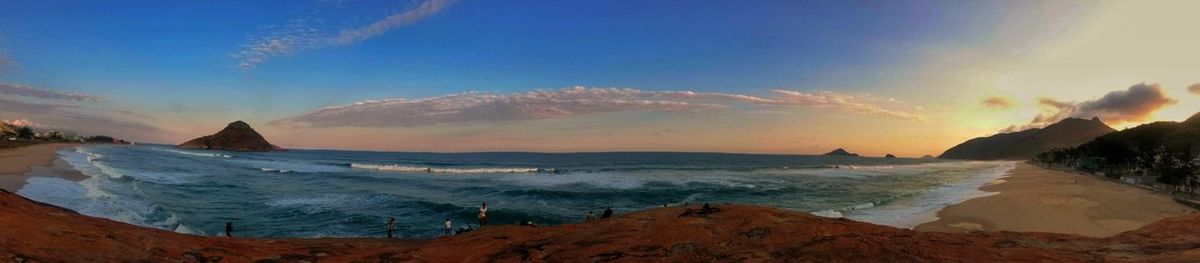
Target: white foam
910 212
274 170
828 213
195 153
405 168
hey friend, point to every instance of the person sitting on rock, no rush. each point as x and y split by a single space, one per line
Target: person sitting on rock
590 216
708 209
607 213
687 212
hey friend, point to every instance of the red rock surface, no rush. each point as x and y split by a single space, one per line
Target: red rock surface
237 136
42 233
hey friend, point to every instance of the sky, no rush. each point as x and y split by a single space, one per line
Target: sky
802 77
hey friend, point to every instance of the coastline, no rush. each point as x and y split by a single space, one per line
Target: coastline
37 232
19 164
1034 199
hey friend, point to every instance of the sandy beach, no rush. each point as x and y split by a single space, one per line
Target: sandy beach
1034 199
16 165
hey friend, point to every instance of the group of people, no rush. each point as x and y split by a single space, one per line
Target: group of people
448 226
608 212
704 210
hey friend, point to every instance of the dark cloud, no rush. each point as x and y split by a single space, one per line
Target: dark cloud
998 102
27 91
1135 104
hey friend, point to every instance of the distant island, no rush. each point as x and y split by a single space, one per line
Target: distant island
1024 145
840 152
237 136
889 156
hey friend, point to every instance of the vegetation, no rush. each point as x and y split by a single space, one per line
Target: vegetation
12 136
1167 152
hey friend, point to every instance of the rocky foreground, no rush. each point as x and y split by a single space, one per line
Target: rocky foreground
34 232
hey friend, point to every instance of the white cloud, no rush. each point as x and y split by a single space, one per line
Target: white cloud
829 99
574 101
310 33
32 92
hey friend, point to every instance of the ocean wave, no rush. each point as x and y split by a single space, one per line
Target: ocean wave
89 156
195 153
841 212
273 170
405 168
93 197
910 210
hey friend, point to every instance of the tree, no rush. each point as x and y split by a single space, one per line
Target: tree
25 132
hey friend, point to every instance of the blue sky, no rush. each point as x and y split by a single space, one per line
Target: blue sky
129 48
175 60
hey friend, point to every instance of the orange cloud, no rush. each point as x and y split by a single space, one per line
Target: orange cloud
998 103
1136 104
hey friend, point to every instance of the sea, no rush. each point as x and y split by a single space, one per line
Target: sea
332 193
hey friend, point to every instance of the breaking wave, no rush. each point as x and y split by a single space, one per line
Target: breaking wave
418 169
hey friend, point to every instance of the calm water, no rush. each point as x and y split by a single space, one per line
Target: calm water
320 193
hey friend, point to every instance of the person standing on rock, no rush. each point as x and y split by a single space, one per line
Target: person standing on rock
483 215
448 226
590 216
391 226
228 229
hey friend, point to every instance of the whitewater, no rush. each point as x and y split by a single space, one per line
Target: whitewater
325 193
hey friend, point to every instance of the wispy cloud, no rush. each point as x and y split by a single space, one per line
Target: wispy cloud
311 33
407 17
80 120
998 103
829 99
567 102
1194 88
32 92
6 63
1135 104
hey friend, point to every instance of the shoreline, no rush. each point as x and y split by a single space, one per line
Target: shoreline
17 165
40 232
1035 199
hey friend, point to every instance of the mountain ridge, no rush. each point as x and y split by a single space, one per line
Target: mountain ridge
1069 132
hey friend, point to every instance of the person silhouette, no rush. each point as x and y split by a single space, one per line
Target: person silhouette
391 226
483 218
228 229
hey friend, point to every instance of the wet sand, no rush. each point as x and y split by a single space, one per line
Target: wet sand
1034 199
18 164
